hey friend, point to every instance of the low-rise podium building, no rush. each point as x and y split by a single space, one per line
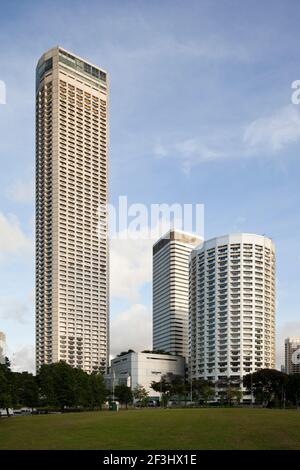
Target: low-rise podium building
143 368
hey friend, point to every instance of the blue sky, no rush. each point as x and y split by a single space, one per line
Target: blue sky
200 112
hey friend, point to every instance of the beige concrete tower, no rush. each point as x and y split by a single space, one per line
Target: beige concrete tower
72 277
171 291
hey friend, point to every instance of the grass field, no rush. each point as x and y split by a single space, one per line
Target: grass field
155 429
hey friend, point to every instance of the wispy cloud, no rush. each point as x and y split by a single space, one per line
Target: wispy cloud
23 359
21 191
273 133
131 260
264 137
188 152
14 308
13 240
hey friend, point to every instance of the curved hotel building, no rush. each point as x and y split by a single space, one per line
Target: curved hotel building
232 307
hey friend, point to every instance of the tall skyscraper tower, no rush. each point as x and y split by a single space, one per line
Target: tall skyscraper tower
232 307
72 277
292 355
171 291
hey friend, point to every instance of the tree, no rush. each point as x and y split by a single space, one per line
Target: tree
168 386
26 389
233 395
124 394
98 390
178 386
5 395
229 390
164 387
7 390
64 384
293 389
57 384
203 390
46 383
208 393
267 385
139 393
82 396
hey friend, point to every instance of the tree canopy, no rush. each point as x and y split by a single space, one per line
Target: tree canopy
57 386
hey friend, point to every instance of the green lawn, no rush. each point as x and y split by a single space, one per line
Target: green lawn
155 429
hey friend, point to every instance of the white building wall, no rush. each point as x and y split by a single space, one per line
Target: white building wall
232 307
141 368
171 291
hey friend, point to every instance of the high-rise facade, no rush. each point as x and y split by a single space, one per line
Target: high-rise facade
72 278
292 355
171 291
232 307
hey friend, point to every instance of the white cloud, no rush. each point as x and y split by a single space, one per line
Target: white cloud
16 309
272 133
130 267
23 359
189 152
131 329
160 150
13 241
21 191
264 137
193 152
131 259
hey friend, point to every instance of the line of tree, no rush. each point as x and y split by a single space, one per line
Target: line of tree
56 386
60 386
127 396
268 387
176 388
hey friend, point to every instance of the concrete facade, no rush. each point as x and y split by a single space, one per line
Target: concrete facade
143 368
171 291
72 276
232 307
